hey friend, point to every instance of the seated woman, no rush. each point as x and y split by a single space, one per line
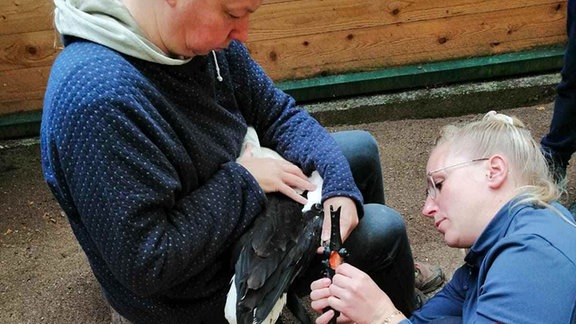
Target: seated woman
489 190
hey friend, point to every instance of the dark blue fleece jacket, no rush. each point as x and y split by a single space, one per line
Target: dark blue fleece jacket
141 157
522 269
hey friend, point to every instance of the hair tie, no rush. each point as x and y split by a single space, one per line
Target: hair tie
505 118
508 119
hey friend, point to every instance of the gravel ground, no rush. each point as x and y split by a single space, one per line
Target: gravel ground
45 277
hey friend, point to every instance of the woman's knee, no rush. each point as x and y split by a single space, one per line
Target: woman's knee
358 146
361 150
385 219
380 238
381 226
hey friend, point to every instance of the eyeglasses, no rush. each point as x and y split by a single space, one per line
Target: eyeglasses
433 187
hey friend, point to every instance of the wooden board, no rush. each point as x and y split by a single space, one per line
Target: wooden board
23 89
33 49
410 42
292 18
22 16
295 39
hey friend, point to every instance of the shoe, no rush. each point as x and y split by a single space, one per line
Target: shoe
428 277
421 299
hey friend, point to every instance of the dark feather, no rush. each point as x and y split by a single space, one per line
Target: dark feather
279 245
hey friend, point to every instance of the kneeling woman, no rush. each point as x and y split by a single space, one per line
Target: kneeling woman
489 190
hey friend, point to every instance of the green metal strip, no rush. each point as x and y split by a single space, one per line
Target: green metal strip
20 118
537 61
426 75
23 124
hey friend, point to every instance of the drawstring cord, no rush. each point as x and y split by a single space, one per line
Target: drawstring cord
218 76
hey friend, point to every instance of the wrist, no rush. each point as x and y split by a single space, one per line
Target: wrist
392 317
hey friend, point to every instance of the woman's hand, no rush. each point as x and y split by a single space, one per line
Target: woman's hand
319 296
275 175
354 294
348 217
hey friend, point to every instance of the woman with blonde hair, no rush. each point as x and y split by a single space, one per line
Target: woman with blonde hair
489 191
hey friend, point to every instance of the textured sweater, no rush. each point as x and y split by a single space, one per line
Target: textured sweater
141 157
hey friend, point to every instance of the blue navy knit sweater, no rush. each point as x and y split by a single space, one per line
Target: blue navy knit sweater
141 157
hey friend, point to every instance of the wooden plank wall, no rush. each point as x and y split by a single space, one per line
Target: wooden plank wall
295 39
28 45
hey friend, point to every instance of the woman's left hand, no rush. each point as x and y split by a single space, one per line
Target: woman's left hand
356 296
320 292
348 216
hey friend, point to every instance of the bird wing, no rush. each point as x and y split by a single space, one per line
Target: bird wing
278 246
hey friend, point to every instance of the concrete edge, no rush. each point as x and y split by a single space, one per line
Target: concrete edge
446 101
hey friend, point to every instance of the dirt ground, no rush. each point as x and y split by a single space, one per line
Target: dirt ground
45 277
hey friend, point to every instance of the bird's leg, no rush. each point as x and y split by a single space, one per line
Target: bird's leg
334 252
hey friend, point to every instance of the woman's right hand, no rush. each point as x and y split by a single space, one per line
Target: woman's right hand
275 175
355 295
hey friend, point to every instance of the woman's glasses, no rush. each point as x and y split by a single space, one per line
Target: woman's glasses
434 187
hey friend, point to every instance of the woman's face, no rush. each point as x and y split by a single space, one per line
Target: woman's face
196 27
455 196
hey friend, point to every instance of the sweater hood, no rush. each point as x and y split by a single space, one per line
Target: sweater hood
109 23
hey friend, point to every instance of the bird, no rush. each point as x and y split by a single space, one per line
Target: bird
275 249
273 252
